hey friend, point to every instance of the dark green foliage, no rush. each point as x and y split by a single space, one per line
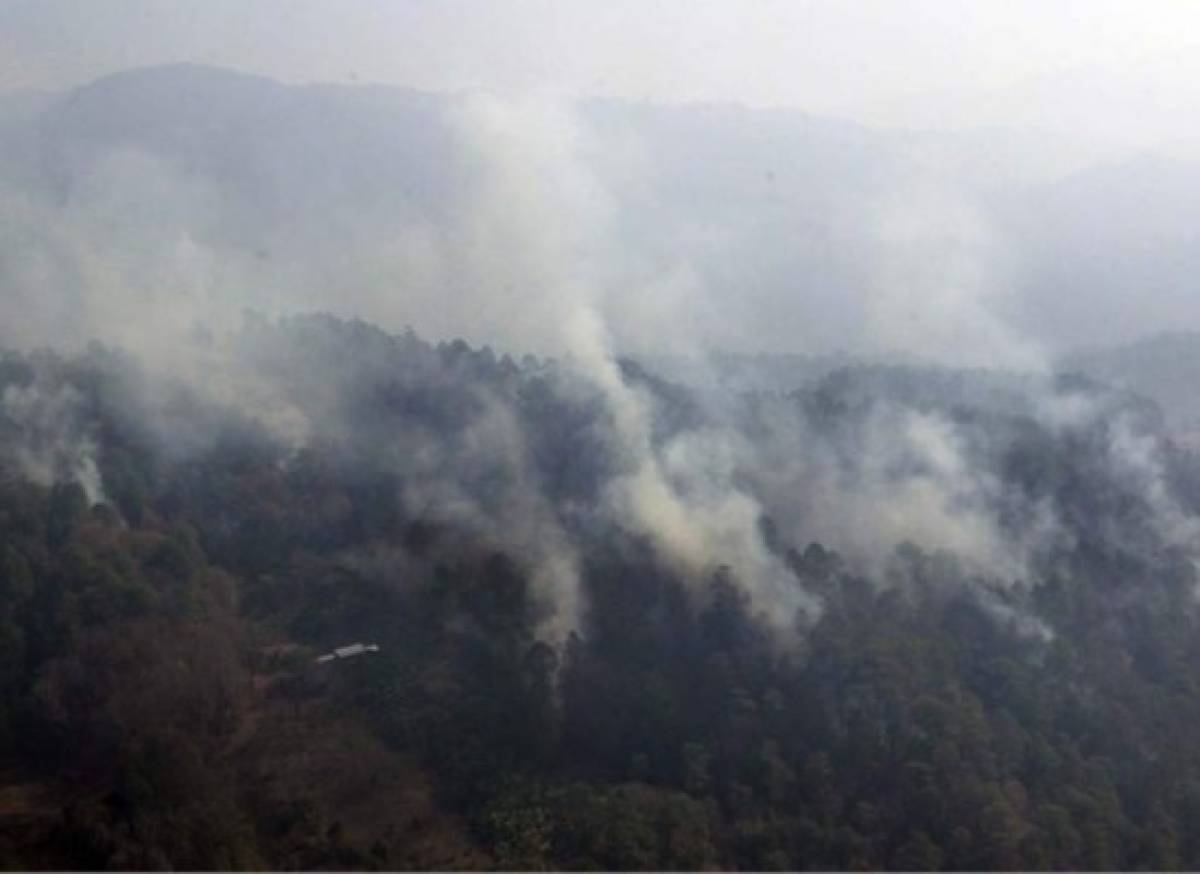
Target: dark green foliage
146 641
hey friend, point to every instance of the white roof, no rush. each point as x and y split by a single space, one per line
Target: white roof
345 652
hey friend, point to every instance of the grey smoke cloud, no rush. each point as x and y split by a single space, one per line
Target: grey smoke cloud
553 216
940 283
49 433
532 237
709 228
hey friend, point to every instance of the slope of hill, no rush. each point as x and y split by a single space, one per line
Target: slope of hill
959 627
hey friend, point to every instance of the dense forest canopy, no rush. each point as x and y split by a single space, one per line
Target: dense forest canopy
895 617
433 475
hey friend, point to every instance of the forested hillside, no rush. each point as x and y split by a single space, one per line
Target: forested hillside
959 631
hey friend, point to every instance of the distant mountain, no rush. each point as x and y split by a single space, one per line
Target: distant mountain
1164 367
1108 254
773 229
297 190
273 150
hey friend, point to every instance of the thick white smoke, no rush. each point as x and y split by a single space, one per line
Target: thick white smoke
49 437
940 275
528 243
540 234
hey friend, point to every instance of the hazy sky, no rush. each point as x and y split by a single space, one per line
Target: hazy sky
878 60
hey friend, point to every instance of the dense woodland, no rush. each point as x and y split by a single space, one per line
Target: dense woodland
162 707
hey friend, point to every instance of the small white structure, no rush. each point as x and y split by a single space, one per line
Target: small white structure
346 652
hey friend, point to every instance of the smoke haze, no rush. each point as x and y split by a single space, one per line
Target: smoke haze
154 209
